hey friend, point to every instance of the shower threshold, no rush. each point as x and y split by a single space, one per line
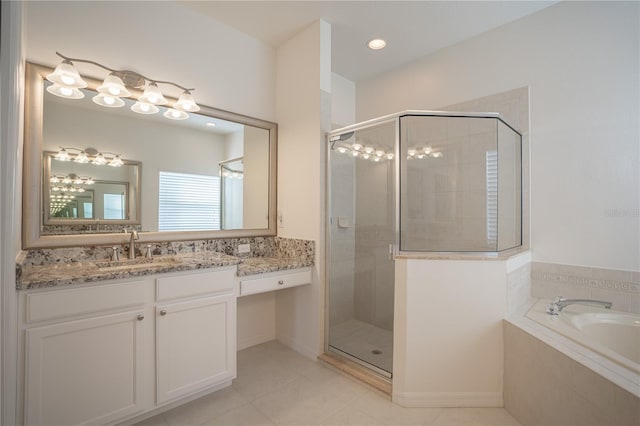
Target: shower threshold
367 365
357 371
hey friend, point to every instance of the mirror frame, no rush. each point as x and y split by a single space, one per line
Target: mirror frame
32 200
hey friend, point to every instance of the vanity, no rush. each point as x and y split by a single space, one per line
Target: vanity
107 341
130 275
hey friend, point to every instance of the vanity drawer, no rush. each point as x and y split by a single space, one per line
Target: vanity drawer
48 305
274 281
177 286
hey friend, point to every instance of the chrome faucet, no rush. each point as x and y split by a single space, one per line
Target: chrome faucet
560 303
132 244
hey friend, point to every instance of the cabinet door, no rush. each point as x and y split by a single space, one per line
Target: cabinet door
196 345
87 371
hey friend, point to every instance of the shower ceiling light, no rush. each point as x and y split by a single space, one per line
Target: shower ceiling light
376 44
67 82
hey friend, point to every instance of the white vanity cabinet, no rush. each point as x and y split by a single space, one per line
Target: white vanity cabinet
84 352
107 352
271 281
195 333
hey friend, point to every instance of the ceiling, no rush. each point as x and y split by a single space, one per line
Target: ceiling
412 29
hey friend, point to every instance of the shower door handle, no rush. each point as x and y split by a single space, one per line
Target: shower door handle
391 251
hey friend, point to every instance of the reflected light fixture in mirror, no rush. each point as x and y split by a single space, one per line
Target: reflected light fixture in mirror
67 82
82 156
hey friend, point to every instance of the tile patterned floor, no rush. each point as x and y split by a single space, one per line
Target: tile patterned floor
277 386
364 341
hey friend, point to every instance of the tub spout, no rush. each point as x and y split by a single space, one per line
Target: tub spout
560 303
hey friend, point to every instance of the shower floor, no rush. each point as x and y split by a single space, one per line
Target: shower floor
364 341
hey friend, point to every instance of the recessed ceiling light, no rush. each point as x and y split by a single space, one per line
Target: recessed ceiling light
376 44
210 124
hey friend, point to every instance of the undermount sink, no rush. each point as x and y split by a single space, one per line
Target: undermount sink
139 263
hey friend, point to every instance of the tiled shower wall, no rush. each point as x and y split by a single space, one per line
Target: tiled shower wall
513 106
549 280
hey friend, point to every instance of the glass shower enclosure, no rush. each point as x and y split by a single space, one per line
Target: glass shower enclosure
414 182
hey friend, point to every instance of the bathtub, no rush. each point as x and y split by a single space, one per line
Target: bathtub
613 334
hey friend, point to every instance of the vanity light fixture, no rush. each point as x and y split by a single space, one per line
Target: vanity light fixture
99 160
174 114
144 108
153 95
63 155
67 82
82 156
109 101
65 92
66 75
116 161
114 86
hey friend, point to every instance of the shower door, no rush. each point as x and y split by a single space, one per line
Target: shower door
361 233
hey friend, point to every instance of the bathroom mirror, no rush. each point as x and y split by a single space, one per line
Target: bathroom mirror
171 168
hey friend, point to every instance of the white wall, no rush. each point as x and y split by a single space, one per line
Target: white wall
303 88
448 332
163 40
11 125
581 62
343 101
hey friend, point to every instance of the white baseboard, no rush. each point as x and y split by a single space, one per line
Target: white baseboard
298 346
247 342
448 399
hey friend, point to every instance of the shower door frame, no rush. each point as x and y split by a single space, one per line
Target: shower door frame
393 118
394 250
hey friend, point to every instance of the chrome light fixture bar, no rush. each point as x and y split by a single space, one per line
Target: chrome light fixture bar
82 156
67 83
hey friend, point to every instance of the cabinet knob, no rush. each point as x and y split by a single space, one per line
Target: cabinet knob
281 282
163 312
140 317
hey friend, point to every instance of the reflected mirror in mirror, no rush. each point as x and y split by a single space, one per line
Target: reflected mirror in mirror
85 193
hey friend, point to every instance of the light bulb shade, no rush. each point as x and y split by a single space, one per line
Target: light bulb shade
81 158
67 75
99 160
62 155
153 95
144 108
174 114
116 162
65 92
108 100
186 103
113 86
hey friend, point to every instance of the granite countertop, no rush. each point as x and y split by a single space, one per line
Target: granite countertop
63 274
261 265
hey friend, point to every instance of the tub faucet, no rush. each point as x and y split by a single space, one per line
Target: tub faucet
560 303
132 244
